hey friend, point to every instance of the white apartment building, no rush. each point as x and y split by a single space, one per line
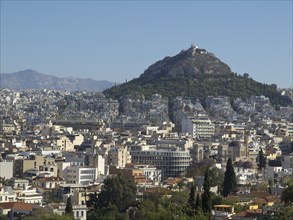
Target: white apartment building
7 194
81 174
69 161
198 126
19 184
30 196
79 211
98 161
119 156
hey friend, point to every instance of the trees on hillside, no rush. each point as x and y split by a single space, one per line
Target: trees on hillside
230 182
199 86
287 195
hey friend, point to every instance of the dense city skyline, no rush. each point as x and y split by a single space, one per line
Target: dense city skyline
116 41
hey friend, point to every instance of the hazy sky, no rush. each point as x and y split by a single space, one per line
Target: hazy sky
118 40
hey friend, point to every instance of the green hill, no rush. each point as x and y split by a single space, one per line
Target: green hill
195 73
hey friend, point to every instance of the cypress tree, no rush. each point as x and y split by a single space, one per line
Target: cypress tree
230 182
206 196
197 203
191 199
68 208
262 161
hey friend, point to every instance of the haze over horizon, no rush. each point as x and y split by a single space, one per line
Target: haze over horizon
116 41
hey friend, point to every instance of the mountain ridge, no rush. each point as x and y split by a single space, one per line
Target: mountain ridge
31 79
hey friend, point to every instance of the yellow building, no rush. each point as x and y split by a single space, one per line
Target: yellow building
27 163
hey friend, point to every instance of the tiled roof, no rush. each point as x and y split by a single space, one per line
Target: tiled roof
172 181
17 205
158 190
249 213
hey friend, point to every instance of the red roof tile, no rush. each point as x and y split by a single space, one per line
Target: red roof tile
17 205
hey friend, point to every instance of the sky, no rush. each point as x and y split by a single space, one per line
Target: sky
118 40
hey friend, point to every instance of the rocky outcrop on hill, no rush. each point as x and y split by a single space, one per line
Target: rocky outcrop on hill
193 61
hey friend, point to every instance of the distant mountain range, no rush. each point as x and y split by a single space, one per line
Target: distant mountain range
195 73
30 79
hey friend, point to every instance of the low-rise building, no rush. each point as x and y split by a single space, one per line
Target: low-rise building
220 212
48 182
27 162
198 127
81 174
14 210
79 211
7 194
30 196
136 175
119 156
19 184
149 171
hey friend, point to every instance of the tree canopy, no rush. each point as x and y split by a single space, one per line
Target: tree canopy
287 195
44 214
118 191
117 195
